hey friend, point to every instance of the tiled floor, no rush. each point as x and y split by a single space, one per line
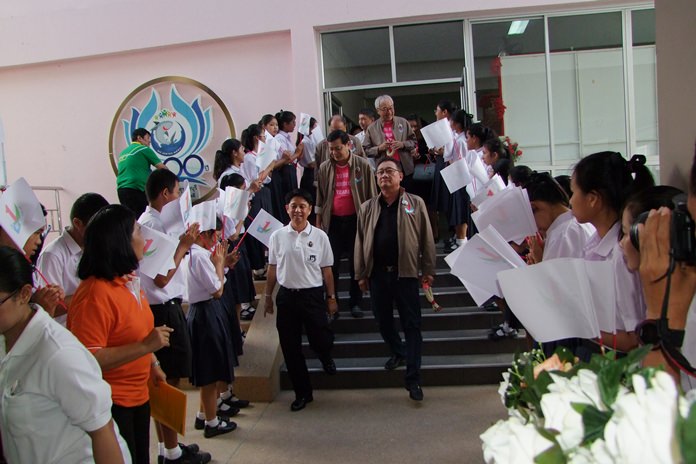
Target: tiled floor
357 426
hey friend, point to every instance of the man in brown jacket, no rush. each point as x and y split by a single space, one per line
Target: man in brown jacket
393 242
345 182
391 137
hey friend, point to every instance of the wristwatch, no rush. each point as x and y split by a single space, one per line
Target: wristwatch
655 331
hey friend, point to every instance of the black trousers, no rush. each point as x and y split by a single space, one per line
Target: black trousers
386 288
134 199
341 234
134 425
299 309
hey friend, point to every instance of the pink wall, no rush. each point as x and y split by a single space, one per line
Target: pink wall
57 116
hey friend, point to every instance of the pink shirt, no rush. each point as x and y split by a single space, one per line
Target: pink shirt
389 136
343 198
630 305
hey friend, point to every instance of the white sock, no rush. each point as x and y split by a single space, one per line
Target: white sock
461 241
174 453
226 394
212 423
245 306
200 415
224 407
160 448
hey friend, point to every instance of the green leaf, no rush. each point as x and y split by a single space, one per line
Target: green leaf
594 421
687 437
608 379
553 455
564 354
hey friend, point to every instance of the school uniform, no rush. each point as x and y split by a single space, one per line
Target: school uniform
439 193
299 258
165 304
566 238
459 204
284 177
58 262
212 352
261 200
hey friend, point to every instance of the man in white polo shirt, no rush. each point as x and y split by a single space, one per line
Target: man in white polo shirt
59 259
300 260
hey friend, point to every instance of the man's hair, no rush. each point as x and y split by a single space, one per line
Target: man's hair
158 180
338 134
398 164
108 251
369 112
381 99
339 116
139 132
86 206
299 192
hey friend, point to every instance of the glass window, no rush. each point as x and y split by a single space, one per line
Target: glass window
643 22
511 90
356 57
585 32
429 51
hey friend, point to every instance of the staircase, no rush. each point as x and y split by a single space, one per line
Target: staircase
456 348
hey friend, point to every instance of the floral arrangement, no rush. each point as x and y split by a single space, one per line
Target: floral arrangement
512 147
605 411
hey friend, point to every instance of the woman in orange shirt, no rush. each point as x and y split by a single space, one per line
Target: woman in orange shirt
111 317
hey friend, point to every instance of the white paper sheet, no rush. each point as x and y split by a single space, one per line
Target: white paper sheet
303 124
494 185
317 136
456 175
478 173
266 153
556 299
510 213
263 225
205 214
20 212
437 134
158 253
236 203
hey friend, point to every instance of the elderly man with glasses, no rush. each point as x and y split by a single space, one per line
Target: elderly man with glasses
393 243
391 137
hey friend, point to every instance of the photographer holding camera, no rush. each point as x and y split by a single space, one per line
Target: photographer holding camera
668 274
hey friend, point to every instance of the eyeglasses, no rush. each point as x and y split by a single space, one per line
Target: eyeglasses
387 108
2 302
387 171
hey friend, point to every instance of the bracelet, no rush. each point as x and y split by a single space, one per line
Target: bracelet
155 363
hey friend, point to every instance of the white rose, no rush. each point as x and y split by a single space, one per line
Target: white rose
502 390
512 441
596 454
643 424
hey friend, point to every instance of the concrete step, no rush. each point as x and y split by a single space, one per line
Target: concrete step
469 369
444 296
443 278
435 343
466 317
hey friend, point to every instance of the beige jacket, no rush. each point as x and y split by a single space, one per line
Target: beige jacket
416 245
321 153
362 186
374 136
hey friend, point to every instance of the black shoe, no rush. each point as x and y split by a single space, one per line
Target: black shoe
394 362
235 402
229 412
300 403
356 312
415 392
222 427
501 332
247 314
329 366
195 458
191 449
199 424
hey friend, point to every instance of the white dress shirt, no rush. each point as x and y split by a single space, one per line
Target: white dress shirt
203 281
630 304
176 287
58 263
299 257
52 395
284 144
232 170
566 238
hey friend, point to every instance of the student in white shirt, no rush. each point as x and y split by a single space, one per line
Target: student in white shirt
601 183
59 259
165 293
285 171
229 159
366 116
213 355
55 407
440 198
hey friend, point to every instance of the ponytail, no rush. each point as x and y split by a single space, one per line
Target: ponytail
223 157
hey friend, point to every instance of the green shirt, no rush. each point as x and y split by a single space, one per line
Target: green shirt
134 166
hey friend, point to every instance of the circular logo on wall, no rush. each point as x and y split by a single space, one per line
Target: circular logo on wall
188 123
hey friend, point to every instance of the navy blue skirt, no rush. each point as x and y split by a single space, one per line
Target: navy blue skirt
439 193
459 208
213 356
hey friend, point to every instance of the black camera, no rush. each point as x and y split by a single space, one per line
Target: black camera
683 242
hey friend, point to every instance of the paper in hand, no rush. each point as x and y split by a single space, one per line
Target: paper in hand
437 134
456 175
20 212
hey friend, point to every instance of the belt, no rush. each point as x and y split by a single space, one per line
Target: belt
173 301
300 290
